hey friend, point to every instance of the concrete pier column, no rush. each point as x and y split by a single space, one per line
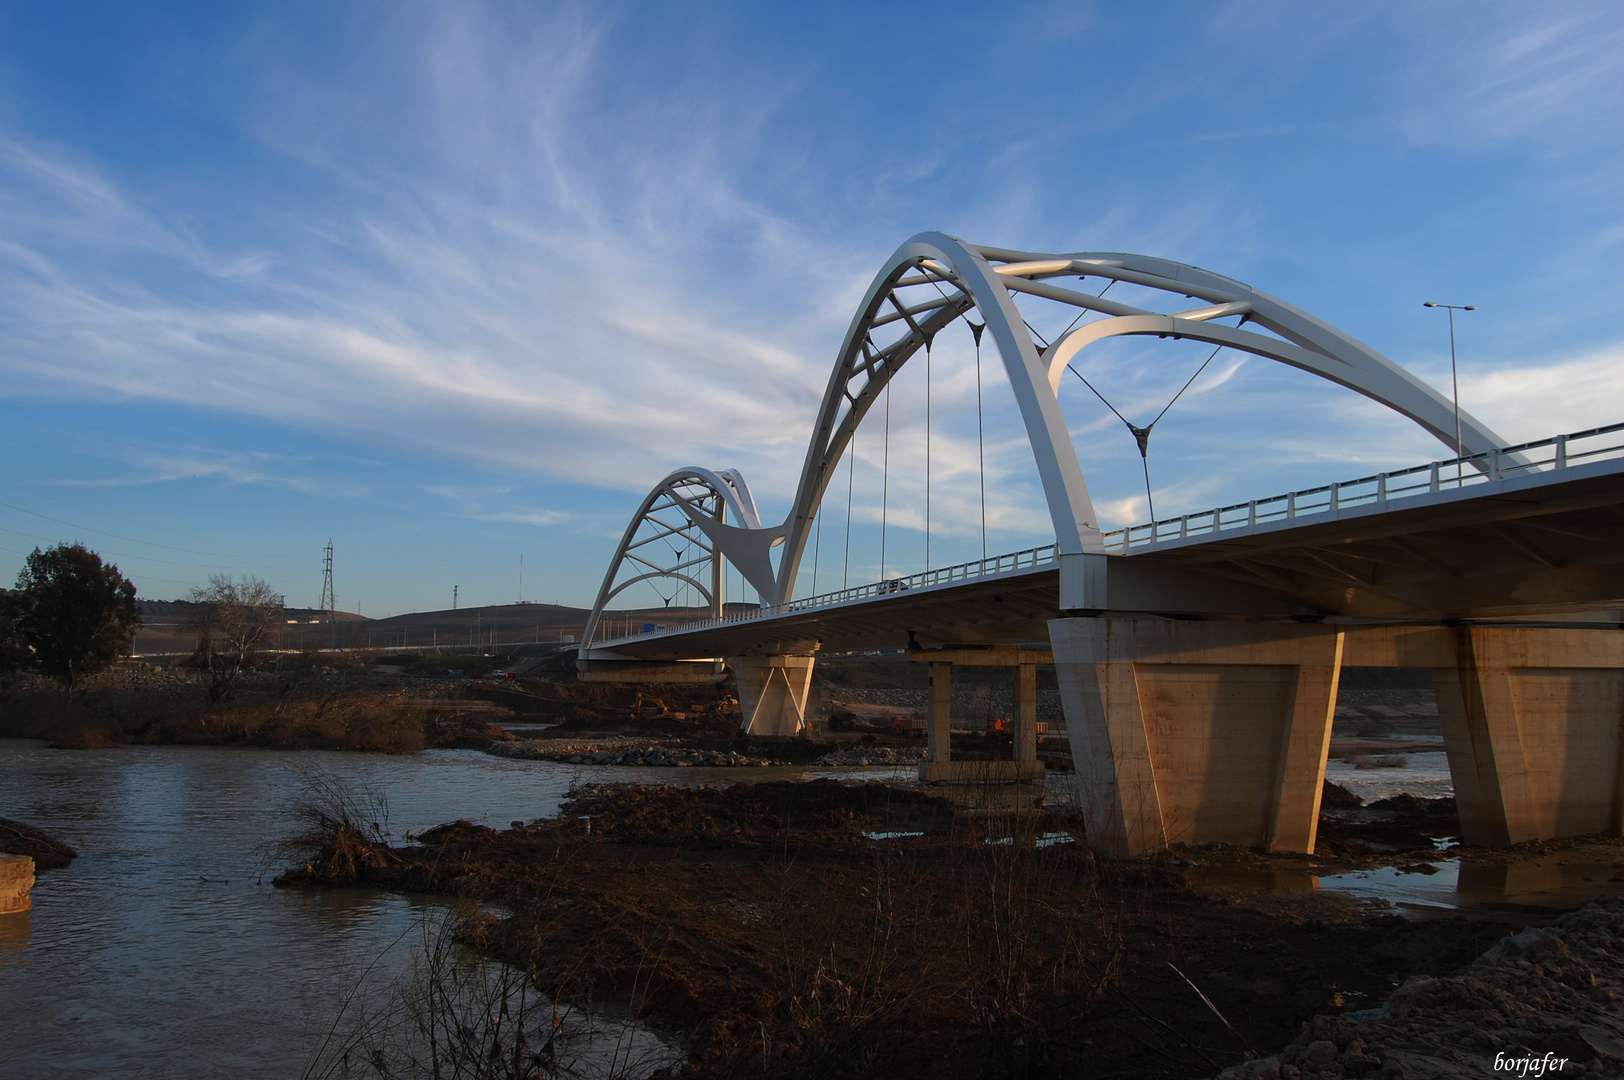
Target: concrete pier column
16 883
1197 732
939 732
1533 723
773 693
939 736
1026 712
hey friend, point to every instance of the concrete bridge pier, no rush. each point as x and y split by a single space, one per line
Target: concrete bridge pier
1197 732
1215 732
1533 723
939 765
772 693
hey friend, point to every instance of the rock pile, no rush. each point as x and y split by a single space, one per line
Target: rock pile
874 755
662 756
1542 1002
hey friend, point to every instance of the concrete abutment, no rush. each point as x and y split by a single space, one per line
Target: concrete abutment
1218 732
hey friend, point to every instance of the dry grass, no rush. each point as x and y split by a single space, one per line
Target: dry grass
292 713
337 831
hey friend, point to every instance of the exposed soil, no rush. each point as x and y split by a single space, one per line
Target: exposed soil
765 924
1545 1000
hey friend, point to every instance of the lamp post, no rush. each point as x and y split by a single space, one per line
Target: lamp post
1454 379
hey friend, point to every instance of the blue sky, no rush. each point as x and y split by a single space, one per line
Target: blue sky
452 284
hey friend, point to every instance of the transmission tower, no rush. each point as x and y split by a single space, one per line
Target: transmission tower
329 603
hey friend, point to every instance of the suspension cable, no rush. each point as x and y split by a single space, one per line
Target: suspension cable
885 477
1084 311
1186 385
851 471
1141 435
927 455
817 549
981 438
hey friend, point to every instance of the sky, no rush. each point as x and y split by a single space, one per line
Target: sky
453 285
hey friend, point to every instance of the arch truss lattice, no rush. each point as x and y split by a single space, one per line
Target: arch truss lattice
674 539
934 279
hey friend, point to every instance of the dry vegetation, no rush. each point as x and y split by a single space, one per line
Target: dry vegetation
289 710
761 923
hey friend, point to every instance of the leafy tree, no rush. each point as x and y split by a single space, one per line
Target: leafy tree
233 619
75 612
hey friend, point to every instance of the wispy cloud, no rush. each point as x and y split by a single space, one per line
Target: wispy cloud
590 244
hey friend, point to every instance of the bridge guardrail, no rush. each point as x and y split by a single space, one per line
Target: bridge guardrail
1544 455
1029 559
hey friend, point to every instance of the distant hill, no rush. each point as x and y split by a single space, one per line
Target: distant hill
164 627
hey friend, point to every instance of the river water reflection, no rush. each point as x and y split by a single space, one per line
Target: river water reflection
164 951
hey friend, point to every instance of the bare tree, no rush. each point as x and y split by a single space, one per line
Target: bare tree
234 620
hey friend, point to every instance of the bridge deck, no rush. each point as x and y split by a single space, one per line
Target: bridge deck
1531 530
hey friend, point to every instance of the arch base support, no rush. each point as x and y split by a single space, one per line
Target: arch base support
773 693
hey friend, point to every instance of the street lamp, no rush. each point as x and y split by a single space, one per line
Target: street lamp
1454 379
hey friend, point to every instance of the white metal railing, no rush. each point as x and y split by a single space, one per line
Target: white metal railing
1030 559
1546 455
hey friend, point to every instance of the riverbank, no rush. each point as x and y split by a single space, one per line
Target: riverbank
310 708
813 928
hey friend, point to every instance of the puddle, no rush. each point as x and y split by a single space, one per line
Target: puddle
1560 881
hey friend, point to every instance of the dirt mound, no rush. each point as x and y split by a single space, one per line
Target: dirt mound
1337 797
749 813
457 832
1537 998
1357 834
48 852
1411 806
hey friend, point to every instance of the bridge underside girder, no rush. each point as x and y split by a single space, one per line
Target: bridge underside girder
1519 549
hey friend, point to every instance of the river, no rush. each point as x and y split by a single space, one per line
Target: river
163 950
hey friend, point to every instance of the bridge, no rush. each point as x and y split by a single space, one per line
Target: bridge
1198 656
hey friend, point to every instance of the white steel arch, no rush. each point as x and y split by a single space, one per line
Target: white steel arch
934 279
691 506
